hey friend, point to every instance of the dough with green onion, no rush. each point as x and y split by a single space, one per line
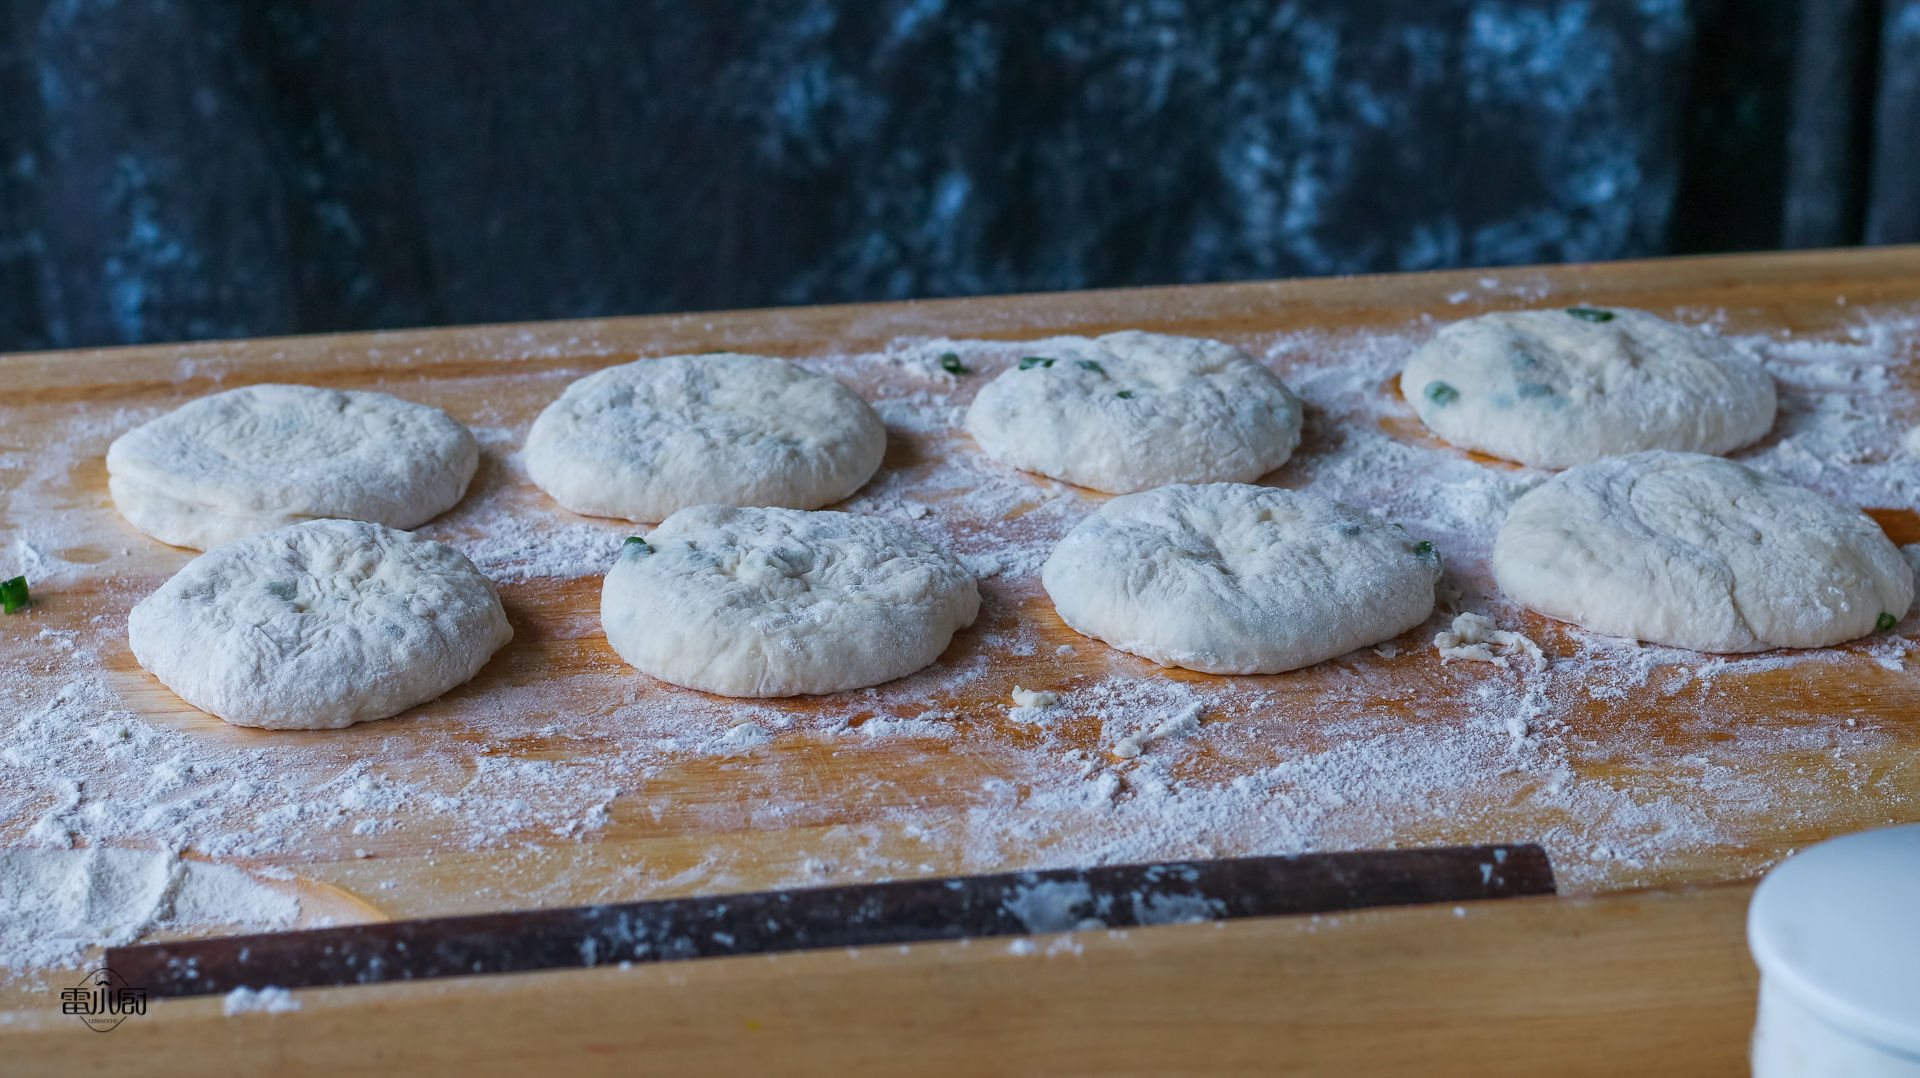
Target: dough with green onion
1566 386
644 440
1237 579
261 457
781 602
1699 552
319 625
1131 411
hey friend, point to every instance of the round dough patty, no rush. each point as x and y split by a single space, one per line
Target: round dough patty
262 457
1563 387
1236 579
1699 552
1131 411
319 625
644 440
779 602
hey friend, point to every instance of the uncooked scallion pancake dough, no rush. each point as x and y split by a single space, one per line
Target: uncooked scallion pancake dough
1563 387
1130 411
1699 552
262 457
644 440
780 602
319 625
1236 579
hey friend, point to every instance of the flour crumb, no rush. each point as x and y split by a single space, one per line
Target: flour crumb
1474 636
1023 946
271 1000
1179 726
983 566
1106 787
744 737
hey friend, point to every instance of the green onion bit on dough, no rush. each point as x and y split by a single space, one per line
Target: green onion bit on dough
1027 362
1885 622
631 540
950 362
13 594
1590 314
1125 394
1442 393
1089 365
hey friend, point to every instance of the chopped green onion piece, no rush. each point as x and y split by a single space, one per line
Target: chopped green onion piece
1089 365
1423 548
1590 314
1027 362
1125 394
632 539
1885 622
950 362
13 594
1442 393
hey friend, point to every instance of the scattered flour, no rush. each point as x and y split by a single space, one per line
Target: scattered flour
270 1000
55 904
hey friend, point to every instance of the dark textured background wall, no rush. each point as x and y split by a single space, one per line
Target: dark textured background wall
176 169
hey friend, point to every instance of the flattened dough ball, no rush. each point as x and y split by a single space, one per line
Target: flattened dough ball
1699 552
779 602
1563 387
262 457
319 625
1236 579
644 440
1130 411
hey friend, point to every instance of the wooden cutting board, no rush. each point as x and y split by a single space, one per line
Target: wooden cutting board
1658 981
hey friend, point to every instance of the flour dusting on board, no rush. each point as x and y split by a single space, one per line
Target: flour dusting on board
112 814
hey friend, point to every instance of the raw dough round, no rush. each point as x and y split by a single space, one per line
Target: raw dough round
1131 411
1236 579
645 440
779 602
262 457
1699 552
319 625
1564 387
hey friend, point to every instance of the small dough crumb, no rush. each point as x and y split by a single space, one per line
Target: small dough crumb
1180 725
1474 637
1033 698
1031 705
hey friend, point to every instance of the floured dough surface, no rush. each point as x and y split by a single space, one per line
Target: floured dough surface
644 440
319 625
1237 579
1563 387
781 602
1699 552
262 457
1130 411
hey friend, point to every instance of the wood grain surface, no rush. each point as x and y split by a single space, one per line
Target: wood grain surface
1660 981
